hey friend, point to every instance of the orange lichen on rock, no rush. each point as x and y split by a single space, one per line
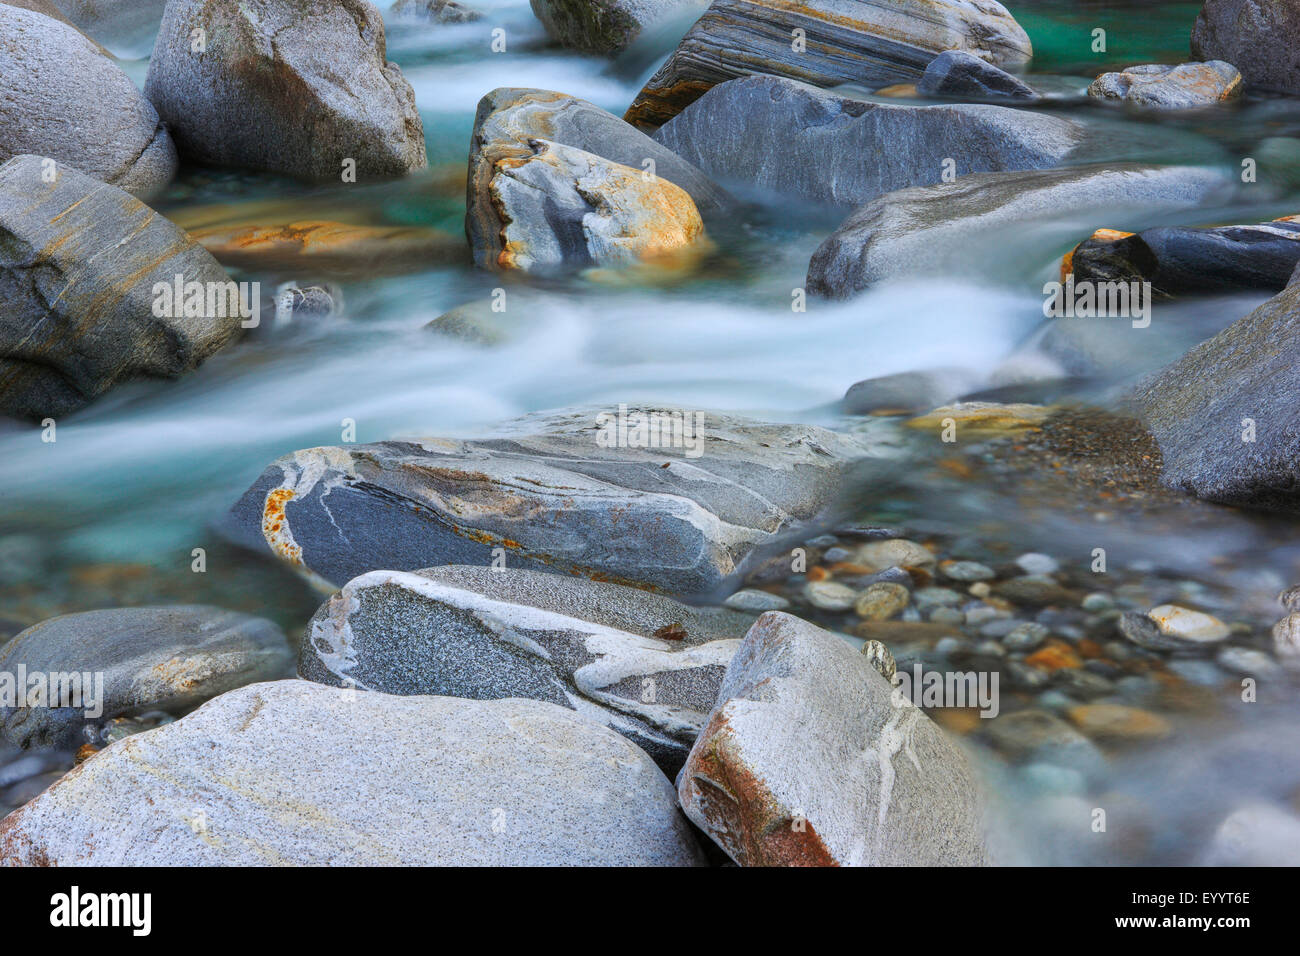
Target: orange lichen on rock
275 525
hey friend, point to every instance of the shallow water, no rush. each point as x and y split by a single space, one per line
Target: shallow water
134 482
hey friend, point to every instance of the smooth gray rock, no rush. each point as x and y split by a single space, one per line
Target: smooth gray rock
1159 86
606 26
64 98
547 495
78 263
874 44
1201 409
792 138
811 758
975 224
288 86
294 773
510 119
1261 38
960 74
150 658
409 633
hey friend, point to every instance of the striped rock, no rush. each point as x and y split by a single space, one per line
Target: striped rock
875 43
78 263
639 663
557 491
66 99
810 758
290 86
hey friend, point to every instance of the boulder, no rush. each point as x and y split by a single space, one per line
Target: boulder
586 491
1179 260
1260 37
67 100
971 226
149 658
408 633
1225 414
558 209
510 120
294 773
605 26
876 44
79 261
791 138
290 86
127 27
1158 86
963 75
810 758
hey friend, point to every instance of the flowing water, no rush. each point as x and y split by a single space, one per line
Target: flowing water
111 511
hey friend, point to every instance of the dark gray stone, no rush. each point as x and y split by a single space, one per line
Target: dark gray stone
958 73
78 263
792 138
151 658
